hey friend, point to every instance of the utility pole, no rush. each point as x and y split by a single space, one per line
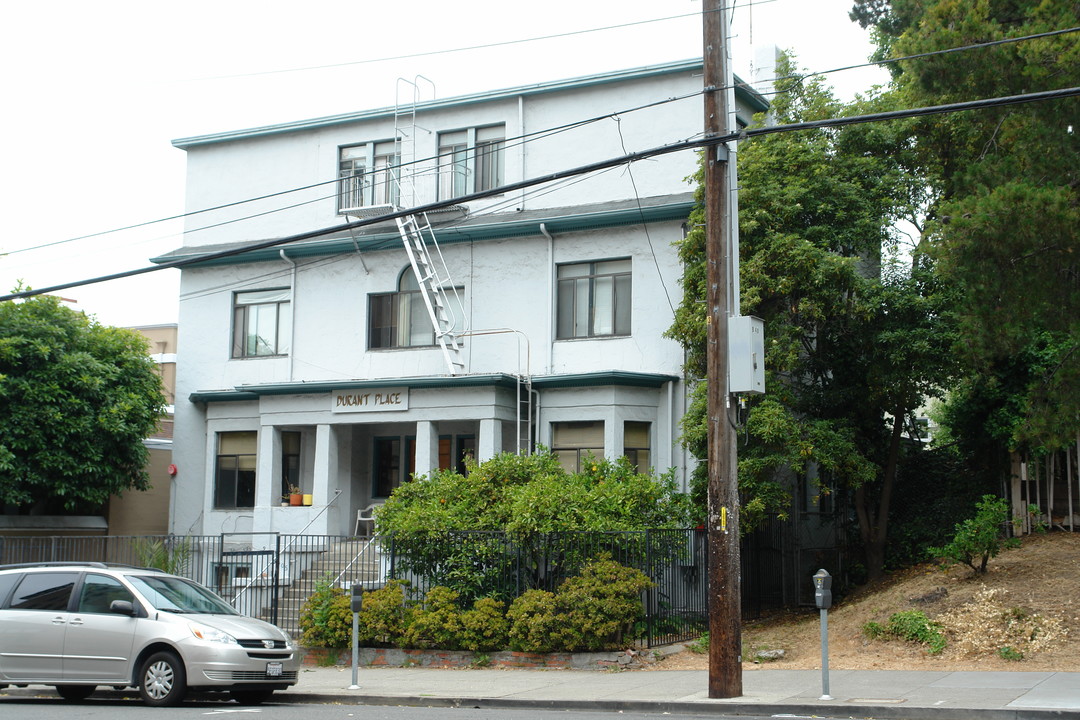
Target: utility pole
725 615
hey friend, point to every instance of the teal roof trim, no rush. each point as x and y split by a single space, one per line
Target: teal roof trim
753 99
548 382
575 222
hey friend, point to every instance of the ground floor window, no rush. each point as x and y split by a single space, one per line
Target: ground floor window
572 442
453 449
290 463
636 445
395 462
234 479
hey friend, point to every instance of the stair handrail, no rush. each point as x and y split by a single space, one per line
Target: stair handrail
277 557
356 557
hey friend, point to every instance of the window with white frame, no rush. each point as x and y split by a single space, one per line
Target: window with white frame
573 442
234 476
368 175
471 160
593 299
401 319
262 323
636 445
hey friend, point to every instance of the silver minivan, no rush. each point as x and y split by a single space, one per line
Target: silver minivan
79 625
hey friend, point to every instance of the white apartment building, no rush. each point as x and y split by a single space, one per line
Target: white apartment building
316 363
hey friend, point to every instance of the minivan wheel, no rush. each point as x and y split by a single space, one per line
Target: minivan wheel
162 679
251 697
75 693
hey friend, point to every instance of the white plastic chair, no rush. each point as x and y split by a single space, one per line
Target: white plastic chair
365 515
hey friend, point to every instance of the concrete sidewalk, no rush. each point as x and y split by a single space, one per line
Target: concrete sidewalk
855 693
861 693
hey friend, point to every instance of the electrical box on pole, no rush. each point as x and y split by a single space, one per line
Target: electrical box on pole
746 355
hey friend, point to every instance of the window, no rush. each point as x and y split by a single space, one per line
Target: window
636 445
44 591
262 323
368 175
290 462
234 480
471 160
392 467
454 449
98 593
400 319
572 442
593 299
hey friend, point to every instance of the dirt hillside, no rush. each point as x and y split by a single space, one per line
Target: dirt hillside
1023 614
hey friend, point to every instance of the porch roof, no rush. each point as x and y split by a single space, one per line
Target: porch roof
243 393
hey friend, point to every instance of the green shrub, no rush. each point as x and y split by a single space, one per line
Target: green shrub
385 615
875 630
591 611
914 626
484 627
436 624
980 538
1008 653
533 622
599 606
326 617
699 646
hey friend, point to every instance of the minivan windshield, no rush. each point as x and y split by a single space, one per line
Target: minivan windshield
177 595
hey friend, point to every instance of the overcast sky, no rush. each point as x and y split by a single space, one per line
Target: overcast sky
96 92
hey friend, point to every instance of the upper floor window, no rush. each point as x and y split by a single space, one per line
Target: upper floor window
593 299
368 174
401 319
471 160
262 323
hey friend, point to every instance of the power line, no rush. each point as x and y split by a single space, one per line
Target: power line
707 142
517 142
522 138
449 51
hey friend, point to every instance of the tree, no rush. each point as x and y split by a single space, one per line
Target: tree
1006 203
851 349
77 398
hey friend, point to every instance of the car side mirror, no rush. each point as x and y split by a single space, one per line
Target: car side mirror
122 607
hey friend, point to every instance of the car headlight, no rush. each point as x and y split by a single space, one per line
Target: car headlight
205 632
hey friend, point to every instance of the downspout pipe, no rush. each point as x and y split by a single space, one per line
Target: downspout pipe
292 305
551 299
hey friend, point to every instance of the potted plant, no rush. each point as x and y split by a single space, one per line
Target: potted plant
295 496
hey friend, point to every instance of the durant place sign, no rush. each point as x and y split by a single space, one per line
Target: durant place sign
369 400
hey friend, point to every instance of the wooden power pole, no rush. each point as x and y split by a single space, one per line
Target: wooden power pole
725 616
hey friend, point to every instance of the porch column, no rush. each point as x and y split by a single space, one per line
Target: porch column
324 483
267 478
613 435
490 442
427 447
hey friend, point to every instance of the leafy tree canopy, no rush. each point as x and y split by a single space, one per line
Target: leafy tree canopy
77 398
852 346
1004 215
523 494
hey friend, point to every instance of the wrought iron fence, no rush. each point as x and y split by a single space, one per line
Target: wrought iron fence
269 575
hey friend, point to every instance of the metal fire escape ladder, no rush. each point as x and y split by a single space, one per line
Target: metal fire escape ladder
425 257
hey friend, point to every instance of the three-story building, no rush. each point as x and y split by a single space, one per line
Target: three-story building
340 363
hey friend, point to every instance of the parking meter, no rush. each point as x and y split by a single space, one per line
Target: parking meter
823 599
357 600
823 589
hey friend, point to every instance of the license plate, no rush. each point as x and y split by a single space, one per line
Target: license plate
273 669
